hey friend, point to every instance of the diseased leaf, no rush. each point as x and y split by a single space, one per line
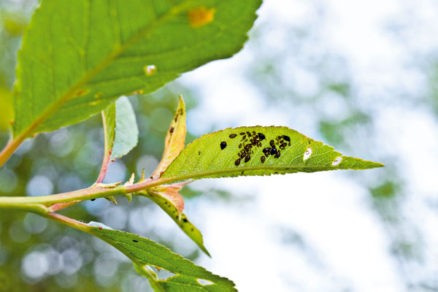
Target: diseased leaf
167 197
257 151
175 137
79 56
146 253
170 207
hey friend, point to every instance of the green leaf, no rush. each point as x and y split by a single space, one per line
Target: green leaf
79 56
257 151
121 132
6 109
146 253
125 128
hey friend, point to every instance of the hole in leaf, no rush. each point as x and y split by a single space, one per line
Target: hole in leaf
162 273
337 161
204 282
150 70
307 154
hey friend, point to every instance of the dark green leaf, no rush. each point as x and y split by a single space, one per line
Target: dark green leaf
146 254
79 56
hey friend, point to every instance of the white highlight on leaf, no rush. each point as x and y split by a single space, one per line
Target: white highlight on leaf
337 161
150 70
307 154
98 225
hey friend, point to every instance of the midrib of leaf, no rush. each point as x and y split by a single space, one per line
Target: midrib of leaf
201 174
92 73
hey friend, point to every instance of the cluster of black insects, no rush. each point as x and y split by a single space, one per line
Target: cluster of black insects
250 140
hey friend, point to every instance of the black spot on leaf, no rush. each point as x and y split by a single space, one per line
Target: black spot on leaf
273 150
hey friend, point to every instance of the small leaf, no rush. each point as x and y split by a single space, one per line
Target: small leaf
126 131
171 194
175 137
120 131
146 253
167 197
257 151
170 207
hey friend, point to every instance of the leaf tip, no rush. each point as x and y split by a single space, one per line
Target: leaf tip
356 163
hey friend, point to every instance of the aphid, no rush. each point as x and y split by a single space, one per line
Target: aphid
272 143
273 150
237 162
242 133
277 155
261 136
262 159
232 136
267 150
223 145
185 220
240 145
93 199
247 158
286 138
135 240
171 130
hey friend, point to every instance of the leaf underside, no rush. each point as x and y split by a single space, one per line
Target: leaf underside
79 56
146 253
257 151
125 128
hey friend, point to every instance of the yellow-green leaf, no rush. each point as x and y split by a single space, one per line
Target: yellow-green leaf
168 205
257 151
175 137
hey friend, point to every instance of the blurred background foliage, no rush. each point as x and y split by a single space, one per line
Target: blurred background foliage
296 76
